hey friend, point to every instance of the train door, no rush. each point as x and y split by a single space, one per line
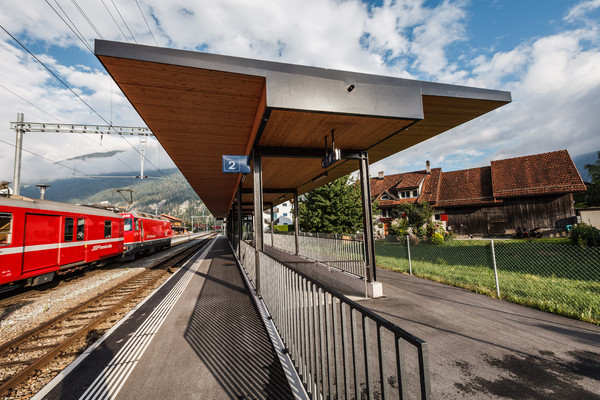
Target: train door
41 238
73 244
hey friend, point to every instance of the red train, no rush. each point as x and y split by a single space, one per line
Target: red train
39 238
144 232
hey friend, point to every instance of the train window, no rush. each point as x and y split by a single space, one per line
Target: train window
107 229
137 224
80 228
68 229
128 224
5 223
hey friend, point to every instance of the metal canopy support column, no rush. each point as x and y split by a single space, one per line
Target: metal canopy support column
365 194
296 222
272 224
239 220
258 213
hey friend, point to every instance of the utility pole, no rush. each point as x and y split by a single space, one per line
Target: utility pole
21 127
18 147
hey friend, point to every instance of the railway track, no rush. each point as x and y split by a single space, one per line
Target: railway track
72 331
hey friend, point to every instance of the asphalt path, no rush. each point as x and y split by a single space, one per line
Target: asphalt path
484 348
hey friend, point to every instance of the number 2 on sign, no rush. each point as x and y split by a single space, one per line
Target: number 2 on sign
232 165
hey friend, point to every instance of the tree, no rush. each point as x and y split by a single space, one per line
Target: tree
591 198
332 208
417 217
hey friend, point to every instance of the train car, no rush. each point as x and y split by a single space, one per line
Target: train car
39 238
145 233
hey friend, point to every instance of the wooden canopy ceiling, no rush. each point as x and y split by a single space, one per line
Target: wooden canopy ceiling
201 106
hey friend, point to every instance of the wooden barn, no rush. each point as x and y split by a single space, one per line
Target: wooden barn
530 191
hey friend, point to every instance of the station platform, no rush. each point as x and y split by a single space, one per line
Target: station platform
198 337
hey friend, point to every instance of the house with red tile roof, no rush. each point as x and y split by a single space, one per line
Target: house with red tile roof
530 191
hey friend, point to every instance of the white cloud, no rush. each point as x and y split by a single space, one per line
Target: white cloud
554 79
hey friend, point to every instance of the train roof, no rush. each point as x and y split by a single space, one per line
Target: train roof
138 214
37 204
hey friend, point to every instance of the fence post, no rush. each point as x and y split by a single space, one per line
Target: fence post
408 247
495 270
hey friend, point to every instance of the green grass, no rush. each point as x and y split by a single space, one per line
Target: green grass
550 275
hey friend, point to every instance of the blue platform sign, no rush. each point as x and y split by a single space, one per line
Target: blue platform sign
236 164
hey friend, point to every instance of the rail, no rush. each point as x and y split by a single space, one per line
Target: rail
339 348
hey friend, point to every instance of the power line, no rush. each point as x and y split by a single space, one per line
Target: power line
30 103
76 95
115 21
74 28
123 19
138 4
87 19
60 163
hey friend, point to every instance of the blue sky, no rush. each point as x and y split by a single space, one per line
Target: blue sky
546 52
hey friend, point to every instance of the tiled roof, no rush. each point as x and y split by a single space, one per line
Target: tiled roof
467 186
537 174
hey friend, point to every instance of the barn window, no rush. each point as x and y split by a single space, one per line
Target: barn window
107 229
5 224
80 228
68 229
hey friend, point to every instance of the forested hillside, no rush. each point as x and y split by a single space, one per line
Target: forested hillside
169 193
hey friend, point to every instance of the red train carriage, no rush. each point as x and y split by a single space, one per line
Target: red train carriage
145 233
39 238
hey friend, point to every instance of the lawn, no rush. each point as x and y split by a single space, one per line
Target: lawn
550 275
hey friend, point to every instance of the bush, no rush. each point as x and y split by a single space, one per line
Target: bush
585 235
437 239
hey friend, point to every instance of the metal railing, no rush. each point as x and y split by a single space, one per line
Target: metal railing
343 252
554 277
247 257
340 349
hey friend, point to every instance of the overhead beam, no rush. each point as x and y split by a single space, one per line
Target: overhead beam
302 152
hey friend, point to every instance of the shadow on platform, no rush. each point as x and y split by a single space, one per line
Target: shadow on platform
227 334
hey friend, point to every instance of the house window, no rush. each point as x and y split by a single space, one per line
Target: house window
284 205
385 213
274 215
438 217
385 197
415 193
285 214
5 223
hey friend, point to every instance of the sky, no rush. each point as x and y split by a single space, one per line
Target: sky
545 52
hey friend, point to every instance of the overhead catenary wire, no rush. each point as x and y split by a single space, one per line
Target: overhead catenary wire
115 21
73 28
87 19
56 119
143 16
123 19
74 93
61 164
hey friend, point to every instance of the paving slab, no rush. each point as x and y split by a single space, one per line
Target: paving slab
485 348
212 344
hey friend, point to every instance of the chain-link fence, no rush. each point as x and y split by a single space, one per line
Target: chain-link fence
554 277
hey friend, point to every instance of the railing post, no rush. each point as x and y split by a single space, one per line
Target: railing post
408 248
258 205
495 270
365 192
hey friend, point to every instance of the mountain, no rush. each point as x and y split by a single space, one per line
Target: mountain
582 160
165 192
